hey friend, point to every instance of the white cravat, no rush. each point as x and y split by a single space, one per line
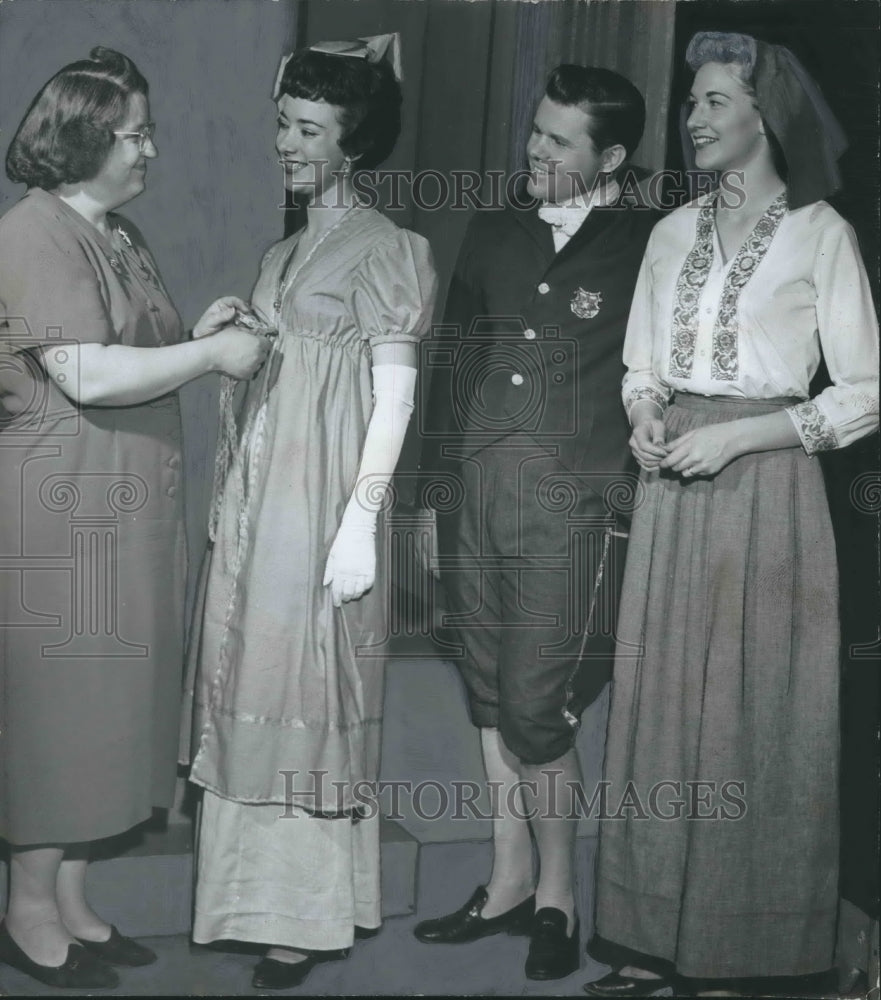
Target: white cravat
567 218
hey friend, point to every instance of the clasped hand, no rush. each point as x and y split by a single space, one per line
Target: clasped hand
351 564
236 352
704 451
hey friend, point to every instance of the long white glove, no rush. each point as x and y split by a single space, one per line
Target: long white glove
351 564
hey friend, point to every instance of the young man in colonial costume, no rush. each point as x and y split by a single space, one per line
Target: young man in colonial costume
537 435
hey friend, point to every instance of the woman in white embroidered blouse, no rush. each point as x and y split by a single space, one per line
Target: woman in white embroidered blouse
725 693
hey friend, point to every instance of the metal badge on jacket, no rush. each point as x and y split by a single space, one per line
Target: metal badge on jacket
586 305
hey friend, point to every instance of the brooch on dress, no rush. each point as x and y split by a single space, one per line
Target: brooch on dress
585 304
134 253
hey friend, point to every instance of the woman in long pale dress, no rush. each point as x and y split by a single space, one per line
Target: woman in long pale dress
725 696
288 691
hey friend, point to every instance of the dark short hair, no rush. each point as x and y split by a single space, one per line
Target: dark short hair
367 95
615 108
67 132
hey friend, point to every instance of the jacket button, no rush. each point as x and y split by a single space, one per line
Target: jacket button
517 378
544 288
529 334
172 491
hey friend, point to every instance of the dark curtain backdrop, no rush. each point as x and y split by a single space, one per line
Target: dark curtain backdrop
634 38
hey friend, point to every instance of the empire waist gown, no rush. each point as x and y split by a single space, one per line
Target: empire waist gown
286 689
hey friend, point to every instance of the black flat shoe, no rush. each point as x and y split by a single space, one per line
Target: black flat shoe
616 985
81 971
270 974
119 950
466 924
552 955
816 984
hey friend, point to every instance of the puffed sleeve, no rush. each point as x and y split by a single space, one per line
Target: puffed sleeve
641 381
47 280
848 330
394 289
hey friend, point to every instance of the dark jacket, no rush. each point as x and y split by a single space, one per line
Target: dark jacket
532 340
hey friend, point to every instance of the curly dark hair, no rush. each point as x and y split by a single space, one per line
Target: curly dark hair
67 132
367 94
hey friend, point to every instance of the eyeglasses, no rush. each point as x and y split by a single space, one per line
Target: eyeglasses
145 134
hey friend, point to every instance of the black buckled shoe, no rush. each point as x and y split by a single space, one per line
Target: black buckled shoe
552 955
467 924
120 950
615 985
80 971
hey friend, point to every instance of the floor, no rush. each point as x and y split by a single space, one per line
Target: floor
393 963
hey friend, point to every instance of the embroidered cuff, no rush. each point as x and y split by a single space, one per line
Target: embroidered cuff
814 428
644 392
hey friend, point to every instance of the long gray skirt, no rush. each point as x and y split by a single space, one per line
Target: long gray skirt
726 673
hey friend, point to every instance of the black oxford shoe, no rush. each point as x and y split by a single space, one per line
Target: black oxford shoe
467 924
552 955
80 971
120 950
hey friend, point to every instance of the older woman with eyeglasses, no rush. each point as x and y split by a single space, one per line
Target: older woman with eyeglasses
91 513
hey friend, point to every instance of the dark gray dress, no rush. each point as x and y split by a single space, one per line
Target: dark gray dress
92 549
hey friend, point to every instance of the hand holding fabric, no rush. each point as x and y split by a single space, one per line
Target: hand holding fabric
237 353
219 314
647 443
